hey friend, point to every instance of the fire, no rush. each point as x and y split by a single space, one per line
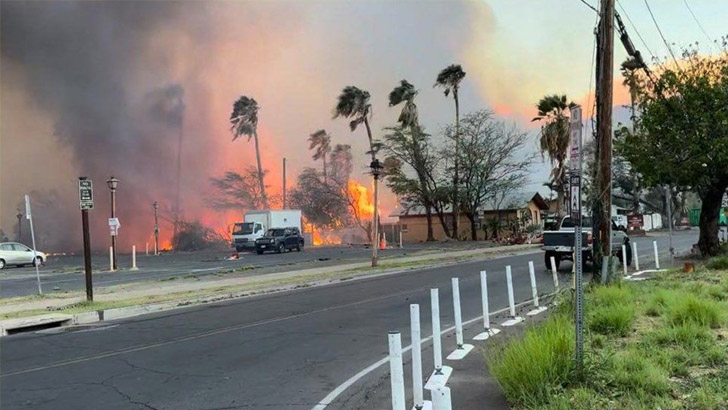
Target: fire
363 199
325 238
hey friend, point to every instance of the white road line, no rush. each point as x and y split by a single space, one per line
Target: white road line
355 378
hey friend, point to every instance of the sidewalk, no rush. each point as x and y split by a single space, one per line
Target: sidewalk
167 294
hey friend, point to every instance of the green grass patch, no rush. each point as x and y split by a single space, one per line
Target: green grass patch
531 369
692 309
717 263
612 319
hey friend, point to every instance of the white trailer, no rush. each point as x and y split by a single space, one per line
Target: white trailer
257 224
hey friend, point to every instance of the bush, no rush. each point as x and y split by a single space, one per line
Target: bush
717 263
690 309
531 369
686 335
612 320
635 373
615 294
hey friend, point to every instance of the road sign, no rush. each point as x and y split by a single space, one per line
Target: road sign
575 184
575 197
575 149
85 194
114 226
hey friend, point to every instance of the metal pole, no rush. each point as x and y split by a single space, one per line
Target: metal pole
284 183
668 198
113 237
20 230
436 341
156 228
417 391
87 255
375 237
396 371
29 215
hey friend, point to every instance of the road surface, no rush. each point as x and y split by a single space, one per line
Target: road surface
280 351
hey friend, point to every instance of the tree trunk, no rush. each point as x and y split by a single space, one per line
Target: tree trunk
455 196
709 215
441 217
428 214
473 231
326 180
261 184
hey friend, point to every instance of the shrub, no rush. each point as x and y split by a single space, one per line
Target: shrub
637 374
532 368
717 263
616 294
612 320
690 309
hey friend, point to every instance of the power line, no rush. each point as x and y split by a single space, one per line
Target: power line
697 21
661 35
590 6
644 43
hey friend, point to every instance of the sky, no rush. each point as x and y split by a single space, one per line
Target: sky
77 80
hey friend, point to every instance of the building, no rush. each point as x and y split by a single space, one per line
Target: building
490 222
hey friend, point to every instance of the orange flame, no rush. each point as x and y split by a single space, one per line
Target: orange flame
363 199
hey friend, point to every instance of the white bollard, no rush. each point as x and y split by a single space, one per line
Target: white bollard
657 256
462 349
133 258
635 256
400 239
417 392
396 372
555 274
486 309
624 259
441 399
511 303
111 259
146 249
441 373
534 292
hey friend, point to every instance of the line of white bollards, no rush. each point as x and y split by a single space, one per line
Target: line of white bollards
534 292
436 383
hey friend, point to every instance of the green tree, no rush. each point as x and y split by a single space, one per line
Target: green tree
244 120
682 138
410 147
353 104
554 138
321 142
449 79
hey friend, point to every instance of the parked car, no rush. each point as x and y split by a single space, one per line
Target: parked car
559 243
280 240
17 254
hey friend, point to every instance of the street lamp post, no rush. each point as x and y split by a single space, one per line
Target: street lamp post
376 168
20 230
155 205
113 183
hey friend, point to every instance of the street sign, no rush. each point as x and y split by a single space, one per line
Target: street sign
575 197
575 149
85 194
114 226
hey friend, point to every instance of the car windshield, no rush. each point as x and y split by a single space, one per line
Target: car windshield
245 228
586 222
275 232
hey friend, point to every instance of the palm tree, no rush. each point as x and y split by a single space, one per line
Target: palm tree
449 79
409 118
244 120
353 104
321 141
554 138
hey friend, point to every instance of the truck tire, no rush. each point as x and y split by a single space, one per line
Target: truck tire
547 260
259 251
281 248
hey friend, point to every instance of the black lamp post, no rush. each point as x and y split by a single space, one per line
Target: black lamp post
376 168
113 183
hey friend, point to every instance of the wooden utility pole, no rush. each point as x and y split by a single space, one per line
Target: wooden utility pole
284 183
604 132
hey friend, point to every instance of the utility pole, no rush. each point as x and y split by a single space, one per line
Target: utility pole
155 205
604 134
284 183
20 226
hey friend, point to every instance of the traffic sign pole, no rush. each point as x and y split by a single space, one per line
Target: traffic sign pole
85 189
575 183
29 216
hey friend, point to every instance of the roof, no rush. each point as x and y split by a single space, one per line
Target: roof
537 199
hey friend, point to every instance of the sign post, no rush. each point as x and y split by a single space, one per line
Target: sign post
575 202
29 216
86 202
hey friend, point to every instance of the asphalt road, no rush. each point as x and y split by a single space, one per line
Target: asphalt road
280 351
65 273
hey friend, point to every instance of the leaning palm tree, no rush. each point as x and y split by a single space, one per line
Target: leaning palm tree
449 79
353 104
244 120
409 118
554 138
321 141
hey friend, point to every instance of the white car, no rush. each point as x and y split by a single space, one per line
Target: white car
13 253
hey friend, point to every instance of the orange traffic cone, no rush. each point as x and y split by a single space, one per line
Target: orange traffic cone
383 242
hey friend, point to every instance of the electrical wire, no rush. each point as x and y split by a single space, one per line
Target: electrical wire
698 22
662 35
590 6
644 43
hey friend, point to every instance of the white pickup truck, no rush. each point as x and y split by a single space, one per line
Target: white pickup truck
559 243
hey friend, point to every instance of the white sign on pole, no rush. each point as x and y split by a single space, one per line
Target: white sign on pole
85 194
114 226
